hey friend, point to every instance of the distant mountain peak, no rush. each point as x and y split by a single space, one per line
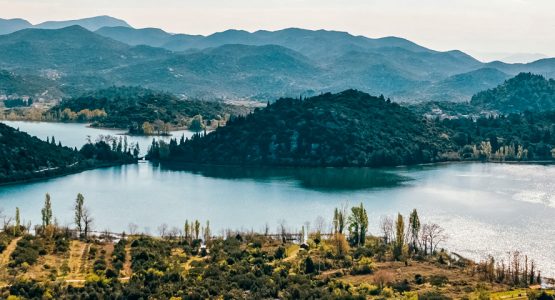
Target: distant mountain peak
92 23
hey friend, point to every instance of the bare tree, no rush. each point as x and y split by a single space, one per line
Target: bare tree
162 230
319 224
6 220
173 232
132 227
87 222
432 236
282 230
386 226
266 229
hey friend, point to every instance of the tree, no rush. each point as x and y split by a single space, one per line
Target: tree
163 230
336 220
431 236
197 229
399 237
187 229
87 222
132 227
47 211
207 233
148 129
196 124
136 150
79 203
308 265
414 229
17 227
386 225
339 219
358 225
340 244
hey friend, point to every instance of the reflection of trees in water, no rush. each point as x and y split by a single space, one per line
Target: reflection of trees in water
328 179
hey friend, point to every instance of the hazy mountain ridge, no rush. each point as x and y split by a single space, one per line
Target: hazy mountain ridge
8 26
274 64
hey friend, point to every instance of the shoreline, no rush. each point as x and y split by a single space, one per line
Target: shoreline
63 174
385 168
89 125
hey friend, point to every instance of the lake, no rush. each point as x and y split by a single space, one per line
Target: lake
485 208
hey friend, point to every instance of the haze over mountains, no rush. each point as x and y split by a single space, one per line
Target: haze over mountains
94 23
235 64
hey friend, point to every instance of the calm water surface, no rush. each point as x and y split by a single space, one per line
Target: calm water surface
485 208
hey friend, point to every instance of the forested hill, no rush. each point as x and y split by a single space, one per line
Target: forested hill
525 92
24 157
345 129
130 107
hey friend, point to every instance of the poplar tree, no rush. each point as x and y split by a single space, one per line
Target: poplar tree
414 224
399 237
47 211
187 229
79 202
197 229
17 222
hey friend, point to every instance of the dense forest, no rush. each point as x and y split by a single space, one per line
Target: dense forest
344 261
525 92
345 129
23 157
142 111
515 137
356 129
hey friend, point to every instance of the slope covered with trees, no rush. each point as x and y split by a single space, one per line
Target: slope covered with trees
23 157
525 92
345 129
135 108
403 259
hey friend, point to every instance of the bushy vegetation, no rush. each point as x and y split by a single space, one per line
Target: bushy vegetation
27 251
24 157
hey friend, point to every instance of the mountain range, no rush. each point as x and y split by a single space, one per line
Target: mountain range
235 64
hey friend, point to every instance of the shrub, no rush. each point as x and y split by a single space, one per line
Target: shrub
27 251
364 266
438 280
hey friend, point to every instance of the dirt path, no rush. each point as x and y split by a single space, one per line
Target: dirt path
127 264
77 252
5 256
187 265
292 252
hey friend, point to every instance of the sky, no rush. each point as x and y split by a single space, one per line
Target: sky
486 29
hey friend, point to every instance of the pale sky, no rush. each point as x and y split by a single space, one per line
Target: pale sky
479 27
